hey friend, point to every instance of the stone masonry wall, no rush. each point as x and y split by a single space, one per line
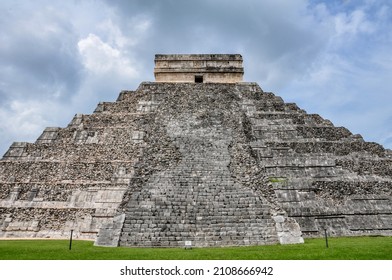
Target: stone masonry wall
218 68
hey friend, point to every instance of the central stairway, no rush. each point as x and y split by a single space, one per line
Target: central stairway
197 199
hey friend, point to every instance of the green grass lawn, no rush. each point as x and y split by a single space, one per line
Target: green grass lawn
343 248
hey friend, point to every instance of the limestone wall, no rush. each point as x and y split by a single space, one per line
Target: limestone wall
208 68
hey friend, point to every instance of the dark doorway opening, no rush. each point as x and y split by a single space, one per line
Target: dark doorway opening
198 79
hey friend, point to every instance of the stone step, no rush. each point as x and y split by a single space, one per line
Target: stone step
287 161
51 171
108 120
323 132
298 118
16 151
337 148
76 152
366 165
283 134
305 171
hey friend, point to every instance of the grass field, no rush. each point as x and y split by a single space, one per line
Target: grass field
343 248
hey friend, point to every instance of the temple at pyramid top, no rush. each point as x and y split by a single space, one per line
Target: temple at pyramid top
198 68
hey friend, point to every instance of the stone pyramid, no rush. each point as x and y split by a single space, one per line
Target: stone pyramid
197 156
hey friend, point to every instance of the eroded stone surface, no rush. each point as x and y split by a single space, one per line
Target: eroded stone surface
198 68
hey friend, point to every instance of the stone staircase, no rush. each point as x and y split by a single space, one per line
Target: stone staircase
197 200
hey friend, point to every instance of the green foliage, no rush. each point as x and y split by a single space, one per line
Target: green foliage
343 248
277 180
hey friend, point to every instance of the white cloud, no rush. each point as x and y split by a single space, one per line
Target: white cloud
114 34
353 23
27 119
349 81
101 58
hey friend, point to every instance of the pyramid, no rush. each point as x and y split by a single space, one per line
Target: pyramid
197 157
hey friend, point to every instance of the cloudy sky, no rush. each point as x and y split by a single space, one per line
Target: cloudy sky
59 58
